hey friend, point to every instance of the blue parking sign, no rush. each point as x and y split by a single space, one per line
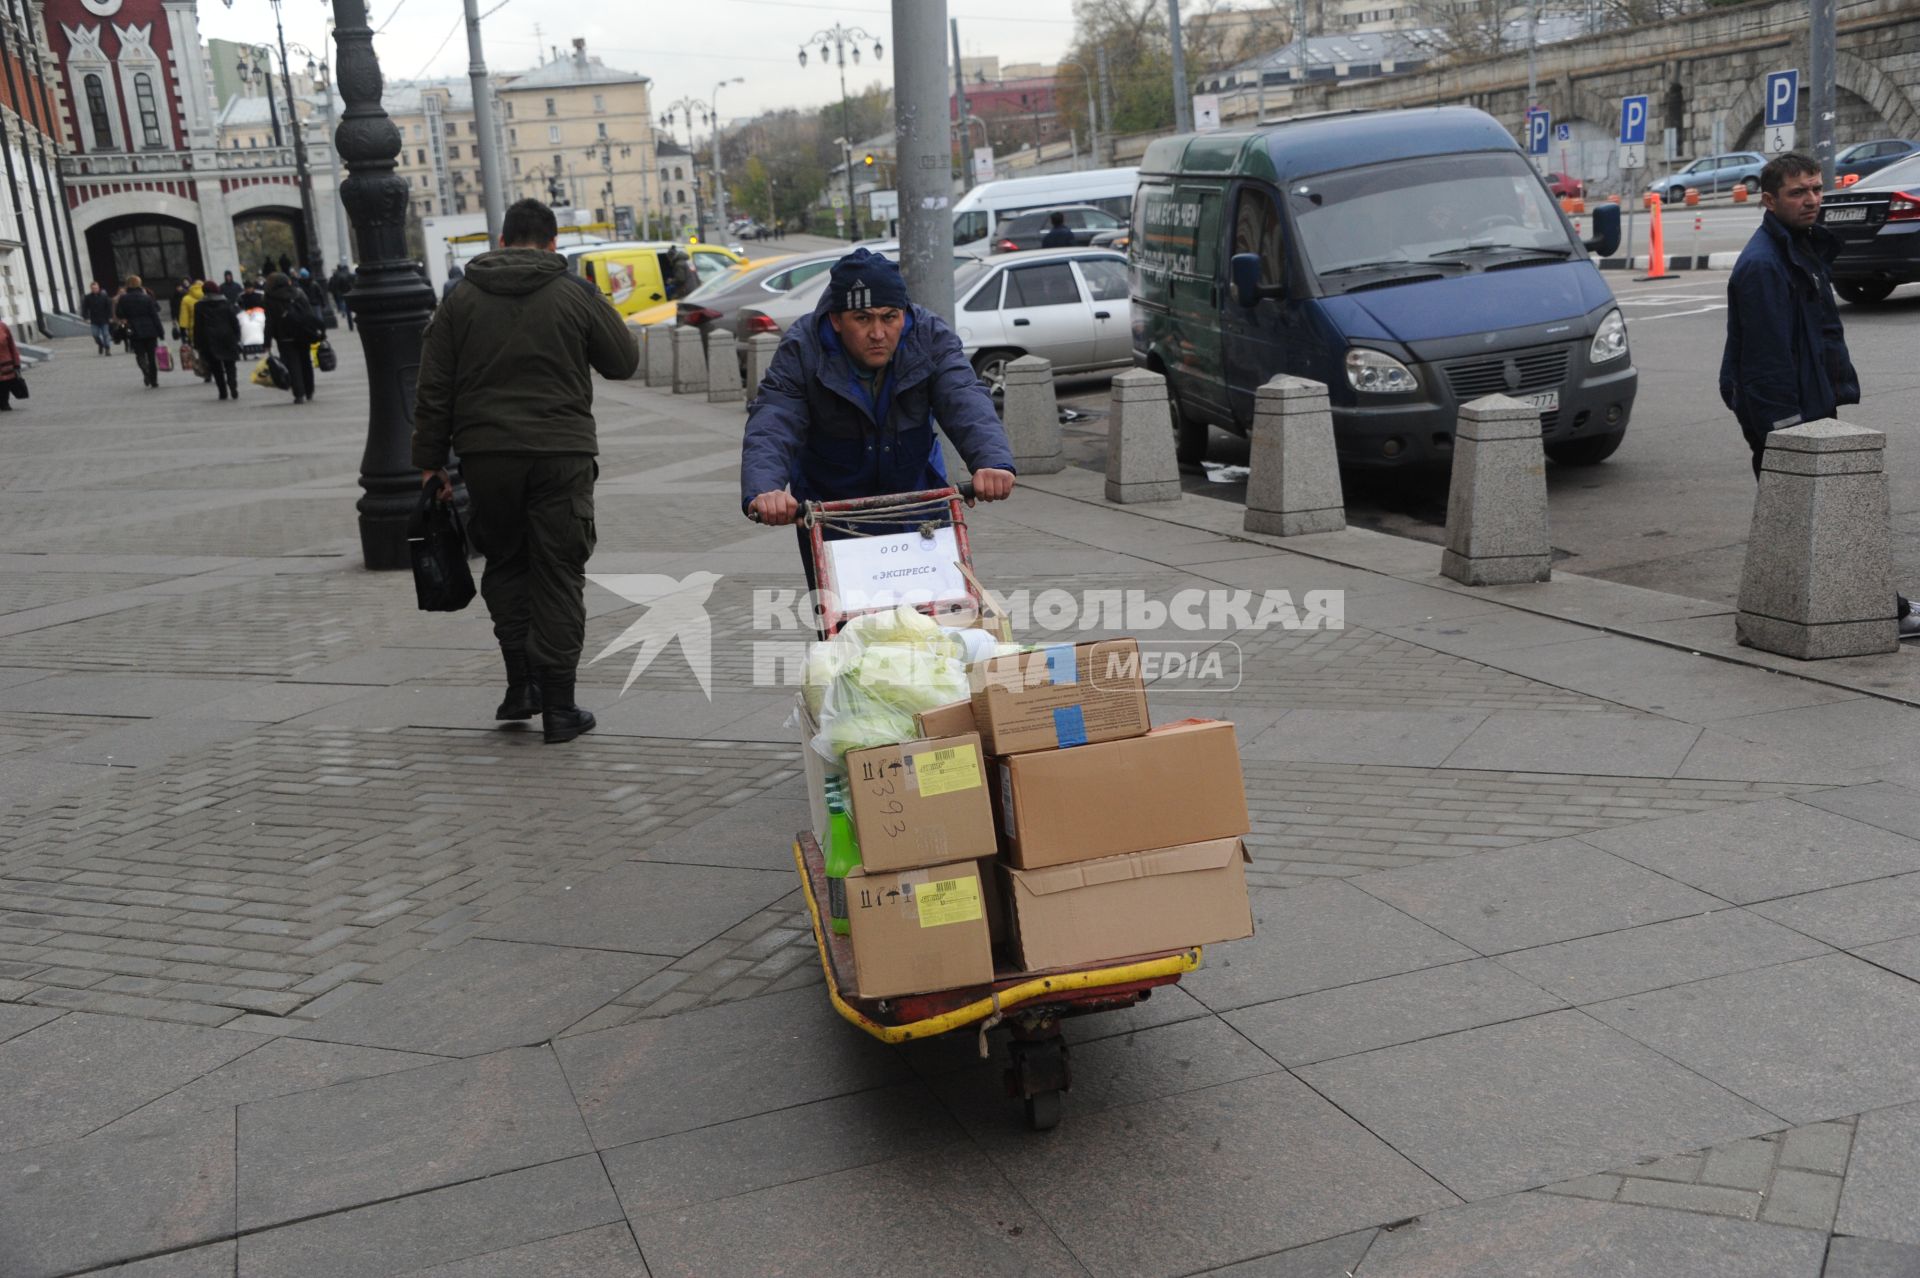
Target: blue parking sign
1633 120
1539 123
1783 97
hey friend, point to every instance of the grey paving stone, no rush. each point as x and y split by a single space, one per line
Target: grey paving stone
1263 1164
1515 898
717 1064
16 1019
278 702
1405 738
279 1068
129 696
1315 938
1334 1258
951 1053
1852 916
1821 1147
1721 1200
1548 1236
1803 1198
651 909
435 1228
1496 630
1721 756
81 1072
751 1154
1524 1104
754 835
81 1204
1394 1009
1902 956
1778 847
481 996
947 1212
1882 803
605 1252
1871 1258
1807 1040
143 744
215 1260
374 1138
1658 955
1879 1200
1592 744
1740 1164
1680 685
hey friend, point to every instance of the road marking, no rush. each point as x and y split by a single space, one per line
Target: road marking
1639 319
1665 299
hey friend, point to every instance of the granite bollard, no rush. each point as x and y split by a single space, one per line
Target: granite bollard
1818 579
1140 461
723 369
760 349
1033 417
1293 484
689 361
659 354
1497 503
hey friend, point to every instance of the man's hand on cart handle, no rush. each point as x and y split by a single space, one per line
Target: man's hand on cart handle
777 507
991 485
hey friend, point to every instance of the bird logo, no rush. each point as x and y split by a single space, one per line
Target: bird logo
676 609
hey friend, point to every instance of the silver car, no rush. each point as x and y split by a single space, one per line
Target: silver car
1069 306
1711 174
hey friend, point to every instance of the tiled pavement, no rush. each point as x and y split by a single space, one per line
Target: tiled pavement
1580 952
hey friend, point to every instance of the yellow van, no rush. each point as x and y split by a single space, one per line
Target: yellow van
634 278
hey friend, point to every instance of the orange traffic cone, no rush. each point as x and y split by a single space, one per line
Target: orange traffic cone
1657 252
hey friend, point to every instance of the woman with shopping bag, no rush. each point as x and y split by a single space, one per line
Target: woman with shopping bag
138 310
216 339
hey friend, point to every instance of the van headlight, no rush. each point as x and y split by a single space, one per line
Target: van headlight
1376 373
1611 341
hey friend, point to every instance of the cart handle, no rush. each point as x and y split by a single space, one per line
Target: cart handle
964 488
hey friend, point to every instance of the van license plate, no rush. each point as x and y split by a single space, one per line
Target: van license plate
1858 213
1545 401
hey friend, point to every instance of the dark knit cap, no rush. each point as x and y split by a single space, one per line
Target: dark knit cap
862 280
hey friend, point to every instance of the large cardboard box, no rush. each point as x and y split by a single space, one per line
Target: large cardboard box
1180 783
921 803
1059 696
1090 912
915 931
946 721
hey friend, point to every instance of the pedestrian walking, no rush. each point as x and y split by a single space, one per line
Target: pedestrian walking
847 408
506 380
339 285
216 339
1786 359
140 312
229 288
1058 235
293 328
454 276
174 304
97 309
316 294
9 368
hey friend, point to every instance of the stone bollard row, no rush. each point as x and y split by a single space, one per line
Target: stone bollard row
1032 417
1140 460
760 349
1497 503
1818 578
723 369
1293 480
689 361
659 355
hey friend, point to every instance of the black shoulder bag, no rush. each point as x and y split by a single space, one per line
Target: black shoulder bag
437 542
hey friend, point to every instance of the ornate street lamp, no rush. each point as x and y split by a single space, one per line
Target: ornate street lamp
838 41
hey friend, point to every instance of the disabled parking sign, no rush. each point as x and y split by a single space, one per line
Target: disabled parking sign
1539 123
1782 106
1633 132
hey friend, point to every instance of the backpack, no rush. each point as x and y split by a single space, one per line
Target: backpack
301 321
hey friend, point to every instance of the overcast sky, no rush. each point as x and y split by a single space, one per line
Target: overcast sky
685 46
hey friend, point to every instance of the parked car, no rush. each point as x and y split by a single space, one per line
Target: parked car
1878 222
1088 224
1711 174
1863 158
1069 306
775 313
717 306
979 214
1565 185
1409 261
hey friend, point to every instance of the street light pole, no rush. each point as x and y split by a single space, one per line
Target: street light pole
302 175
923 151
341 238
719 169
692 108
836 40
1182 104
960 110
1093 117
492 191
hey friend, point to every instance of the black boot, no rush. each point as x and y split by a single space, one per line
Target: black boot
560 718
523 694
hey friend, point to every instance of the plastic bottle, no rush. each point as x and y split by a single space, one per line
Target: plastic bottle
843 857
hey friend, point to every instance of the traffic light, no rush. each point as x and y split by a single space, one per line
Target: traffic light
869 160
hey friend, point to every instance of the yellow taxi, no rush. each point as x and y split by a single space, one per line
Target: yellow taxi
637 278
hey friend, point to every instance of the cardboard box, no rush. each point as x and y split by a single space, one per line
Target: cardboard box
1091 912
1178 784
921 803
915 931
946 721
1059 696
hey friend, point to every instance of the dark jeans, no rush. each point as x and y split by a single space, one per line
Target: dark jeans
103 337
531 515
223 375
346 309
298 357
143 356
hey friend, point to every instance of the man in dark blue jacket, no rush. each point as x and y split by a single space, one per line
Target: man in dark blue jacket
847 407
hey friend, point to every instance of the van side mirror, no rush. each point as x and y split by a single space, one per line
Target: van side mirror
1606 230
1244 271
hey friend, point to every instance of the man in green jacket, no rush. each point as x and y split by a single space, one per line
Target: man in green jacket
506 380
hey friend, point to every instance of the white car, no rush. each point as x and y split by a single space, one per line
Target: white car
1069 306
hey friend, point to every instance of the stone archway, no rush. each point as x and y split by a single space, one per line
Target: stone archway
1856 75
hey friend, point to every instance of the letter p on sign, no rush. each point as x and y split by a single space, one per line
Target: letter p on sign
1783 97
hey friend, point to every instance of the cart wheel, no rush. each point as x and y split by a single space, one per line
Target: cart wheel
1043 1111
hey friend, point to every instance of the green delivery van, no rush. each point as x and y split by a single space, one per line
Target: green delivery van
1412 261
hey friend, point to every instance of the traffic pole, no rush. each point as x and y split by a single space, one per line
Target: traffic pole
492 189
924 171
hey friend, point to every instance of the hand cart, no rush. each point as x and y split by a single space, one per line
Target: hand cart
1030 1005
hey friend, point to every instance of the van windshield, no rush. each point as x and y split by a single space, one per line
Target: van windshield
1451 213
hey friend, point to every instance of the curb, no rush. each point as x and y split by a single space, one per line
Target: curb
1704 262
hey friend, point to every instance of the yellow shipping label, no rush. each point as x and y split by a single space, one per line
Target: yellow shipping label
948 770
947 901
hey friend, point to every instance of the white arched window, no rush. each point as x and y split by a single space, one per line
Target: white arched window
149 110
